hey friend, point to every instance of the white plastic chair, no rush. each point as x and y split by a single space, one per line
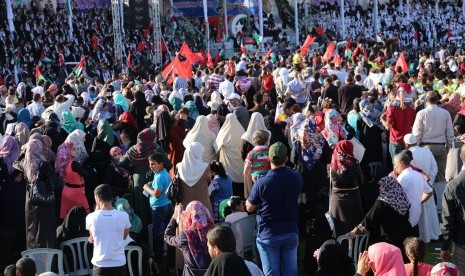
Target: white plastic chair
81 262
245 231
129 250
374 168
356 245
43 257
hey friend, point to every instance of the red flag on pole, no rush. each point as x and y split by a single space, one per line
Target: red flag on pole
95 42
129 59
243 50
402 63
308 41
209 60
268 54
337 60
329 51
182 68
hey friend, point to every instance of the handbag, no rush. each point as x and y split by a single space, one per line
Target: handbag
173 192
328 215
41 193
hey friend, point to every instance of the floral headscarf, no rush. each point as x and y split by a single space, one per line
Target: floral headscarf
343 157
145 146
32 160
77 138
46 146
70 123
63 157
453 105
197 221
22 133
309 142
393 194
213 124
445 269
369 114
105 132
123 205
9 151
333 131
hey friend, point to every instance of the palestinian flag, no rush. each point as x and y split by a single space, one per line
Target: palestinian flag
257 38
223 50
61 58
78 69
45 59
18 57
39 74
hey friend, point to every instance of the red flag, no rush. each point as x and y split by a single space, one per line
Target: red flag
217 57
61 58
349 43
337 60
190 56
319 30
415 36
308 41
243 50
129 59
209 60
163 46
329 51
402 63
182 68
95 42
141 46
449 34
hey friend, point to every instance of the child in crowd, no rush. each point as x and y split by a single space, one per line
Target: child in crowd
234 210
415 249
256 162
403 96
220 187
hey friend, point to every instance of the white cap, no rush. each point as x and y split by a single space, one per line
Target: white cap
410 139
234 96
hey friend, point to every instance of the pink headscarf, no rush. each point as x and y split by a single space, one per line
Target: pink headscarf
213 124
386 260
63 157
33 158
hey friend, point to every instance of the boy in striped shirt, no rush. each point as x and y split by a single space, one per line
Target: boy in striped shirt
257 162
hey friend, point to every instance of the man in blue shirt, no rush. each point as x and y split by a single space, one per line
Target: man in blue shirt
274 197
162 208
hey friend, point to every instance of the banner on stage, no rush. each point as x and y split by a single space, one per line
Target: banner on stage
194 8
86 4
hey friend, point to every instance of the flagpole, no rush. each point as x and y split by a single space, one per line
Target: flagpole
296 22
225 10
121 15
70 19
463 8
343 21
207 27
9 14
306 15
260 20
375 17
408 9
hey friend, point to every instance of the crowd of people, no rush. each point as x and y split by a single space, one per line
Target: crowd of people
292 138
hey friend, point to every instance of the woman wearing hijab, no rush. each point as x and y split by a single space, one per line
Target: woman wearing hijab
136 161
47 146
175 99
137 109
195 176
40 220
346 181
386 260
116 176
12 191
218 100
120 100
54 131
7 117
213 124
201 133
194 224
333 131
459 121
200 105
370 128
78 137
445 269
70 123
312 153
22 133
228 144
177 136
73 175
25 117
452 104
128 129
74 225
193 112
390 213
163 128
333 260
136 224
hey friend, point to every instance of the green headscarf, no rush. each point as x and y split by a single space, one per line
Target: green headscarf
105 132
70 123
123 205
119 99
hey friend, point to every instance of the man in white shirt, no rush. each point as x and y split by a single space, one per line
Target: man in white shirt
108 228
417 189
39 89
36 108
62 103
226 87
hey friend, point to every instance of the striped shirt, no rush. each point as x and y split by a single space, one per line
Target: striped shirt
258 158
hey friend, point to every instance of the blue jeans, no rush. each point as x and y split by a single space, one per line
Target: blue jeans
394 149
161 216
279 254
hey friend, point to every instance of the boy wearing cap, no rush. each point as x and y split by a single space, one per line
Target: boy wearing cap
274 197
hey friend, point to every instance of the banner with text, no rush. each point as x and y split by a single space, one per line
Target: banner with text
190 8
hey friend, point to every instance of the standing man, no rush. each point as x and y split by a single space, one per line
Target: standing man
433 129
348 93
274 197
453 219
108 228
241 112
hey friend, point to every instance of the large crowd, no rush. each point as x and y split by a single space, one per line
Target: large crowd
315 146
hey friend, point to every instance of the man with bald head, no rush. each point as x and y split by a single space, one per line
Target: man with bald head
433 129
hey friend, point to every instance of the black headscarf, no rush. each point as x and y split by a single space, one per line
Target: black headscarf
227 264
74 225
137 109
333 260
164 124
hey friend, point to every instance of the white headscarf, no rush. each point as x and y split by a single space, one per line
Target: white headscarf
77 137
256 123
216 98
202 134
231 130
192 166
